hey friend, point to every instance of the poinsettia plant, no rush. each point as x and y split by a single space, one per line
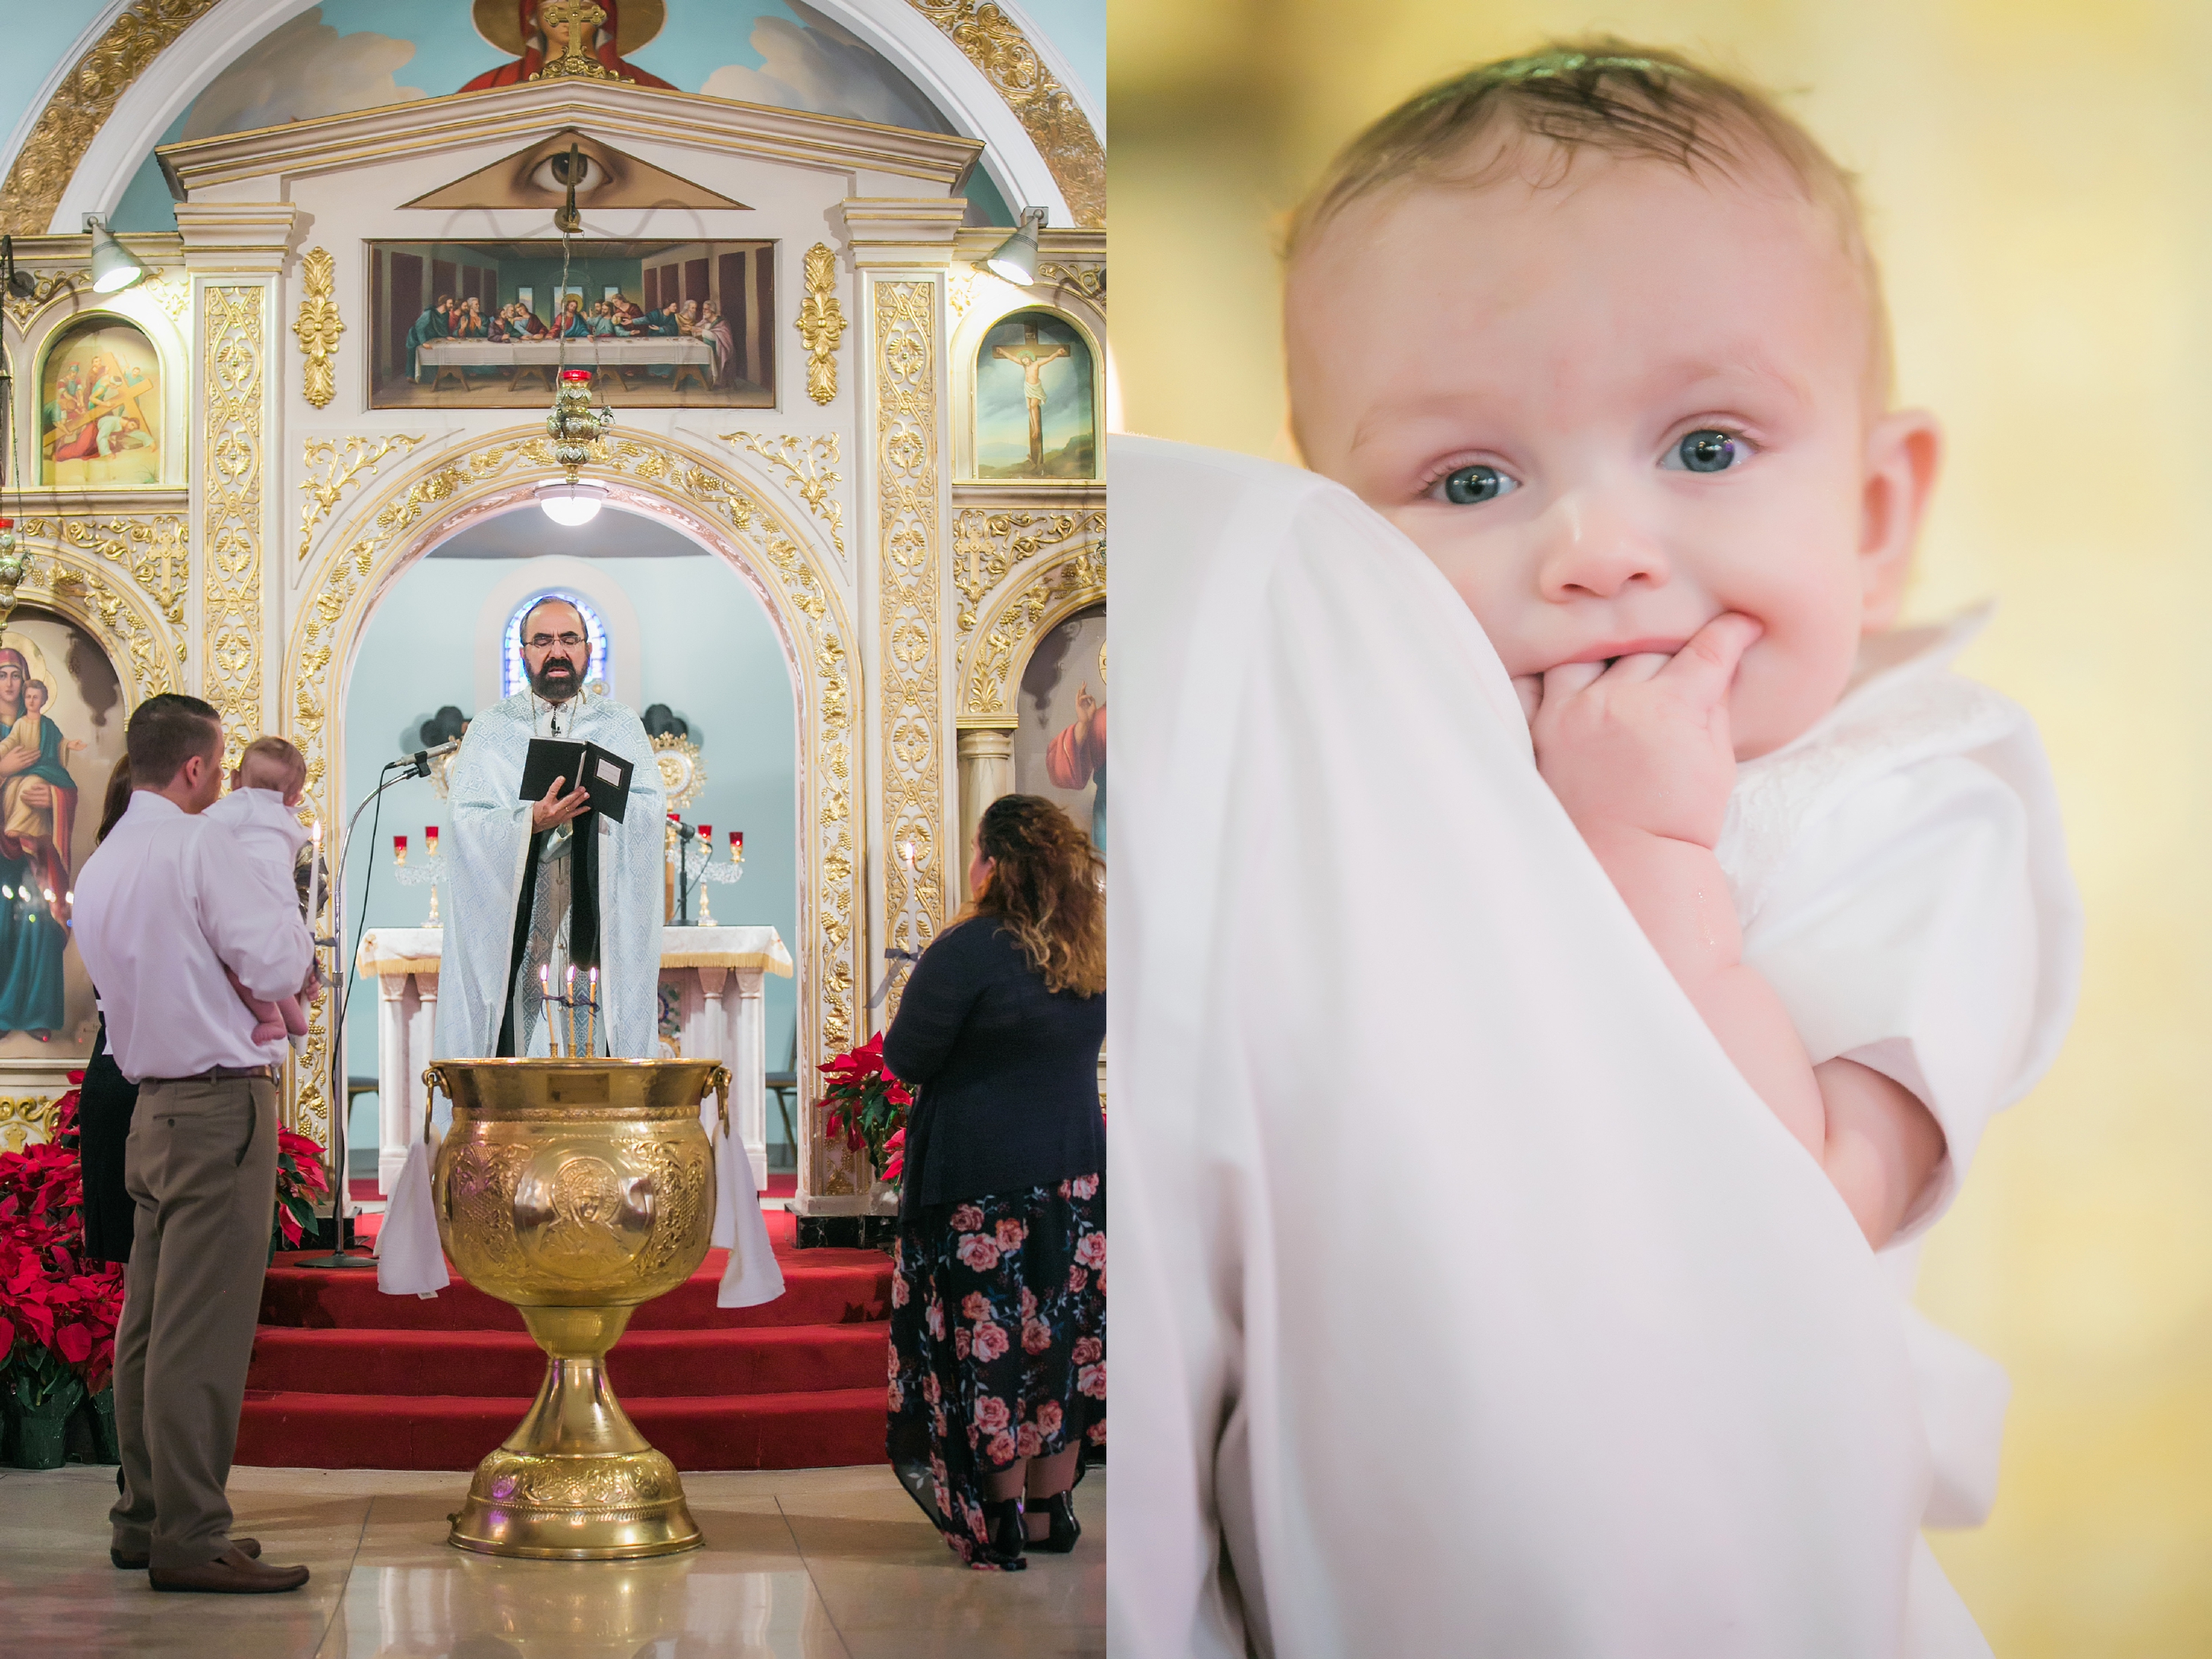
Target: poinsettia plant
57 1309
301 1182
867 1107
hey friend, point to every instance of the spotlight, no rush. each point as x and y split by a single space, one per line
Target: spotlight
114 267
571 504
1015 261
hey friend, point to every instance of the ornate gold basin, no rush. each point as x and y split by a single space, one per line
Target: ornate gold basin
576 1189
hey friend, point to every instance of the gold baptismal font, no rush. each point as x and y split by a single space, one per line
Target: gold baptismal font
576 1189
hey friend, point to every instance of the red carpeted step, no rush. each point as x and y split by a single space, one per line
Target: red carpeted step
821 1287
811 1429
776 1359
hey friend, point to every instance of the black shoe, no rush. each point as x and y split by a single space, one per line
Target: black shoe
1002 1526
1066 1528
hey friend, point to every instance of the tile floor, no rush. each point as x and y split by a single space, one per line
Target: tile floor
810 1562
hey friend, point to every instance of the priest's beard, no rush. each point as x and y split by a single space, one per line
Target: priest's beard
555 680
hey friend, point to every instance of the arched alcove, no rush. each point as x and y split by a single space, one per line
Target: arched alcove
100 416
1036 399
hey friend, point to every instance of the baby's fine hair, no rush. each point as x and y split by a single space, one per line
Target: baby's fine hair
272 763
1602 94
41 687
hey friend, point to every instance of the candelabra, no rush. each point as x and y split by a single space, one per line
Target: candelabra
428 872
561 1033
692 853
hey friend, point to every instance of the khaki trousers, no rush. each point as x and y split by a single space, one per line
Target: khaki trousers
200 1168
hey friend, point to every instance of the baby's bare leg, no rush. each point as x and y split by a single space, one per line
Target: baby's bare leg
268 1019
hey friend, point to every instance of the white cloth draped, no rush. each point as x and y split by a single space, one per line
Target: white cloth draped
1467 1299
486 852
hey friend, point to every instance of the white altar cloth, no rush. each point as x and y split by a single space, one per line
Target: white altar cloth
717 975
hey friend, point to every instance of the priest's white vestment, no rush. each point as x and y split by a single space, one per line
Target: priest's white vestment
486 852
1466 1300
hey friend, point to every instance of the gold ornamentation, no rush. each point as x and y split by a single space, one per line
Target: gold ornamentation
682 774
576 1190
808 464
48 288
332 465
127 616
1062 132
174 293
988 546
319 325
1066 584
33 1118
1089 281
231 596
821 322
907 612
961 282
577 60
335 604
81 105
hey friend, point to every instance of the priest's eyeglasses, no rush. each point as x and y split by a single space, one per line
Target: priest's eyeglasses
546 641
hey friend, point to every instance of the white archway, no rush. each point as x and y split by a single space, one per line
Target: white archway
214 42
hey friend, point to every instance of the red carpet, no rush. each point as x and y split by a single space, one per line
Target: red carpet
344 1377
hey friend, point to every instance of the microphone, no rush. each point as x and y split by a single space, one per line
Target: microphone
418 763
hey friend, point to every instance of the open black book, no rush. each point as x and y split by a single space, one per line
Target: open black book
605 774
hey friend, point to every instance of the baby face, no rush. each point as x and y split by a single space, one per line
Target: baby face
34 699
1613 409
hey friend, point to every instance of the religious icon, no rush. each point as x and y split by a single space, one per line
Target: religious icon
485 324
1060 748
100 409
556 39
61 730
1033 417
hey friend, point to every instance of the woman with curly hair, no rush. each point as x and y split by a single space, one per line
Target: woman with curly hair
999 1301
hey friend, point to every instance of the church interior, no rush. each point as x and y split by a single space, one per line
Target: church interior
292 291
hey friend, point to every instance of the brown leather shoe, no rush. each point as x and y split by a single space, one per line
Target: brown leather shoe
140 1562
232 1573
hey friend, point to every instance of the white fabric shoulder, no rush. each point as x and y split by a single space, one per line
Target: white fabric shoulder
1417 1147
259 816
1901 871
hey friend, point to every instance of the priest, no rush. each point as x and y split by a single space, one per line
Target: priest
540 886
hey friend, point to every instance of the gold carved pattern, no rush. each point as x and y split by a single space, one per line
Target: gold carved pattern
231 597
1066 583
808 464
33 1117
332 465
1089 281
172 294
124 577
47 289
907 612
821 323
988 546
960 284
318 326
82 104
340 592
1062 132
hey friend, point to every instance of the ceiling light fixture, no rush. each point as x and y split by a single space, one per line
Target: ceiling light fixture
571 503
1015 258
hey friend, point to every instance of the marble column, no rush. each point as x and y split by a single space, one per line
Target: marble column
987 772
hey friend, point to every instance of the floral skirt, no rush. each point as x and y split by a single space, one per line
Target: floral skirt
998 1346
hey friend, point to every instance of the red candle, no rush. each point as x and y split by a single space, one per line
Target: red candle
707 835
575 373
399 849
430 840
737 843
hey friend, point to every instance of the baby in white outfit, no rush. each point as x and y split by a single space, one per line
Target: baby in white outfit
261 810
1600 331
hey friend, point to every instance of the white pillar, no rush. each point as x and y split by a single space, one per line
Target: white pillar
391 1095
987 772
748 1030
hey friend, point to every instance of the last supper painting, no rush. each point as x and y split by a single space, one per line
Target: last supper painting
489 325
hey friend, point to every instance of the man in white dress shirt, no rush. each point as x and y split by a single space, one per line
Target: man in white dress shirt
166 904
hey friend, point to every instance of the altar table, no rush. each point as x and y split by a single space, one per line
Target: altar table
627 355
716 975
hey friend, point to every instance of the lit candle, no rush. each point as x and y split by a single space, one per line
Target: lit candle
707 838
430 840
399 849
906 851
737 847
570 999
592 1017
315 878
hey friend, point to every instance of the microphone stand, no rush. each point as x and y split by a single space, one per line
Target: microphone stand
342 969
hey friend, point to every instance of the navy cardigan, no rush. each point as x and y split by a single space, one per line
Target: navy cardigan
1008 1072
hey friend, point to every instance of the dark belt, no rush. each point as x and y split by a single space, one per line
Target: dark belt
216 1074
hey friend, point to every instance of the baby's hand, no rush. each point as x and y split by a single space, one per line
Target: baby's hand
1644 744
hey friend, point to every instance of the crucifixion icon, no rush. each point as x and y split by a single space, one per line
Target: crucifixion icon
1031 356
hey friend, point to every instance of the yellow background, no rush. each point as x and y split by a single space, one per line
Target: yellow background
2038 177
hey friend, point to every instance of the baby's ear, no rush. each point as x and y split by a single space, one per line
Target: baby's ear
1904 450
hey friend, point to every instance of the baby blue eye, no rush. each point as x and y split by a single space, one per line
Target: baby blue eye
1708 450
1467 486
